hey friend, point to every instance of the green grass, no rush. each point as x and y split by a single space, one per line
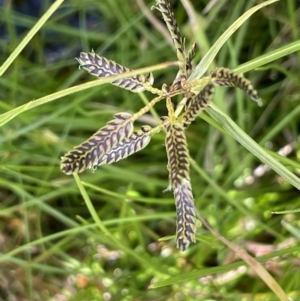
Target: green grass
109 235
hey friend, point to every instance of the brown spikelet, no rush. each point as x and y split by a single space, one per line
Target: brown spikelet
178 166
164 7
101 67
134 143
189 57
179 80
226 77
90 152
186 228
197 104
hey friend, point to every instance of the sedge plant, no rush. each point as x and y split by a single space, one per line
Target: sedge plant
117 139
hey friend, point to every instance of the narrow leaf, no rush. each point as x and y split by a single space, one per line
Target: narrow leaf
245 140
269 57
202 67
11 114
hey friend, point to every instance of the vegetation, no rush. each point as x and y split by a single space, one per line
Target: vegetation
109 234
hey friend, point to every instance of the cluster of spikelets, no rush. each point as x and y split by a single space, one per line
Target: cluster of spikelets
117 139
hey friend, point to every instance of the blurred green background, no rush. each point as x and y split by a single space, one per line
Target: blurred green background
51 248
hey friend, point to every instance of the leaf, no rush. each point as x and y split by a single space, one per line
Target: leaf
86 155
11 114
238 134
269 57
202 67
27 38
102 67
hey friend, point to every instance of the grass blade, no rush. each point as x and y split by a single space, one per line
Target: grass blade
30 35
202 67
6 117
251 145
